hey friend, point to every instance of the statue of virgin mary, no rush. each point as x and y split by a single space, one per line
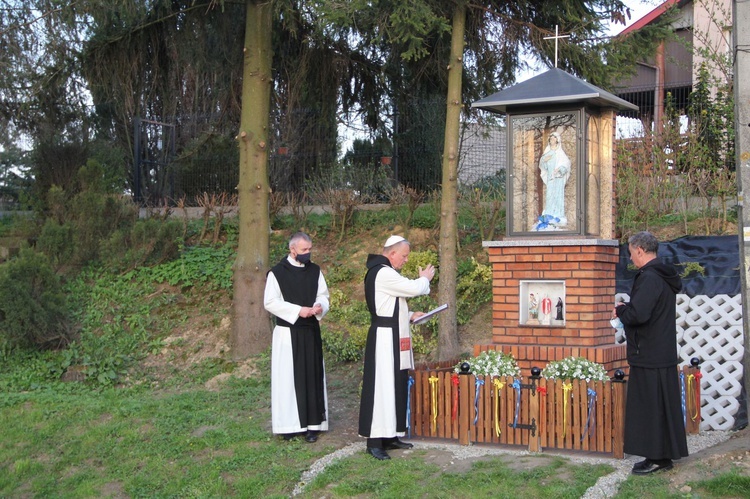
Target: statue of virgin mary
554 166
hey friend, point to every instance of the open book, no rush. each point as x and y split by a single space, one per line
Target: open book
429 314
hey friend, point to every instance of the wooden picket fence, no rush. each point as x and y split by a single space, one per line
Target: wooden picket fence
536 413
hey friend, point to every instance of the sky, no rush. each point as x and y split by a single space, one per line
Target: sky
638 9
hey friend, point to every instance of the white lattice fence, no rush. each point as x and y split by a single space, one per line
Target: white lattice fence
710 328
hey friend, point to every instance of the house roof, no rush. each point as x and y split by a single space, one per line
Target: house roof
653 15
552 87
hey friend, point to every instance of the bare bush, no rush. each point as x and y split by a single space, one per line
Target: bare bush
409 197
485 206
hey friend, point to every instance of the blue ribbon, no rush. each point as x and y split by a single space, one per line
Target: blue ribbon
408 405
682 397
591 416
477 384
517 386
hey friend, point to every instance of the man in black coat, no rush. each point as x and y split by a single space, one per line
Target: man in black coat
654 425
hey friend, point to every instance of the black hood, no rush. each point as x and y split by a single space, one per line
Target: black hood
666 272
373 260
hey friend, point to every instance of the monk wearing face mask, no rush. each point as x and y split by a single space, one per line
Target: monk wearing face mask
297 295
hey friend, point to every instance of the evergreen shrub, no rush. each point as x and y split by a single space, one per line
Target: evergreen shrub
474 288
95 225
148 241
421 259
33 307
345 347
57 241
425 217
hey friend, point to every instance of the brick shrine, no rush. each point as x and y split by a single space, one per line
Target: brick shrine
575 256
587 266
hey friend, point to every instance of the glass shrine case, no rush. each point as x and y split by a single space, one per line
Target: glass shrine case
544 178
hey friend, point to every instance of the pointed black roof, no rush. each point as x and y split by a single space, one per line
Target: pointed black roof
553 87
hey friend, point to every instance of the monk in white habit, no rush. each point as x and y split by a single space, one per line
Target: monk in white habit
388 352
297 295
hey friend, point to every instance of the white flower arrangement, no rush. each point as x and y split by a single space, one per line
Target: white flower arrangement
575 368
492 363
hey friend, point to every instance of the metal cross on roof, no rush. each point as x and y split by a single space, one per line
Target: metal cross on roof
556 37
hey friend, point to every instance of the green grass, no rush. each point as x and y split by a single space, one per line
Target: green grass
724 485
193 443
200 443
415 476
132 431
730 484
651 486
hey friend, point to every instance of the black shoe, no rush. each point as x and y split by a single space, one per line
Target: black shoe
653 467
642 464
378 453
311 437
398 444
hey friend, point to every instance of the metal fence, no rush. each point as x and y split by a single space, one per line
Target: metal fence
408 152
651 104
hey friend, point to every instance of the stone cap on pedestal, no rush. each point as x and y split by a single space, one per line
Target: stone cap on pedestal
535 241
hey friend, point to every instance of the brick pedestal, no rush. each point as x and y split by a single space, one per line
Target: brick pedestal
587 266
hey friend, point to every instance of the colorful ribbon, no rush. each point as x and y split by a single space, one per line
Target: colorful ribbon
498 386
434 401
408 405
567 387
517 387
541 390
682 397
477 384
693 401
454 382
591 416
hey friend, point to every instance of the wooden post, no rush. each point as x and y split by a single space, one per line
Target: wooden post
534 414
546 420
465 395
692 380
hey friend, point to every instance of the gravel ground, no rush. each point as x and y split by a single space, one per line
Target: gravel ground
605 487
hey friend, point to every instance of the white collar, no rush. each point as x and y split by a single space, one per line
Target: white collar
293 261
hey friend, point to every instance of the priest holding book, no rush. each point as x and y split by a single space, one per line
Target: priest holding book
388 352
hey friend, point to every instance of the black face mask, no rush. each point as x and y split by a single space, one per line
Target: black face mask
303 258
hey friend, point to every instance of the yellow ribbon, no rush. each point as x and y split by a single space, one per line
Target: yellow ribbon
498 386
433 401
692 403
566 388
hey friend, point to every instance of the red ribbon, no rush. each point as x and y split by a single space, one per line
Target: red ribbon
454 382
542 390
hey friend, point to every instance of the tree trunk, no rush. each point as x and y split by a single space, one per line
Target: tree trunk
448 345
251 326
